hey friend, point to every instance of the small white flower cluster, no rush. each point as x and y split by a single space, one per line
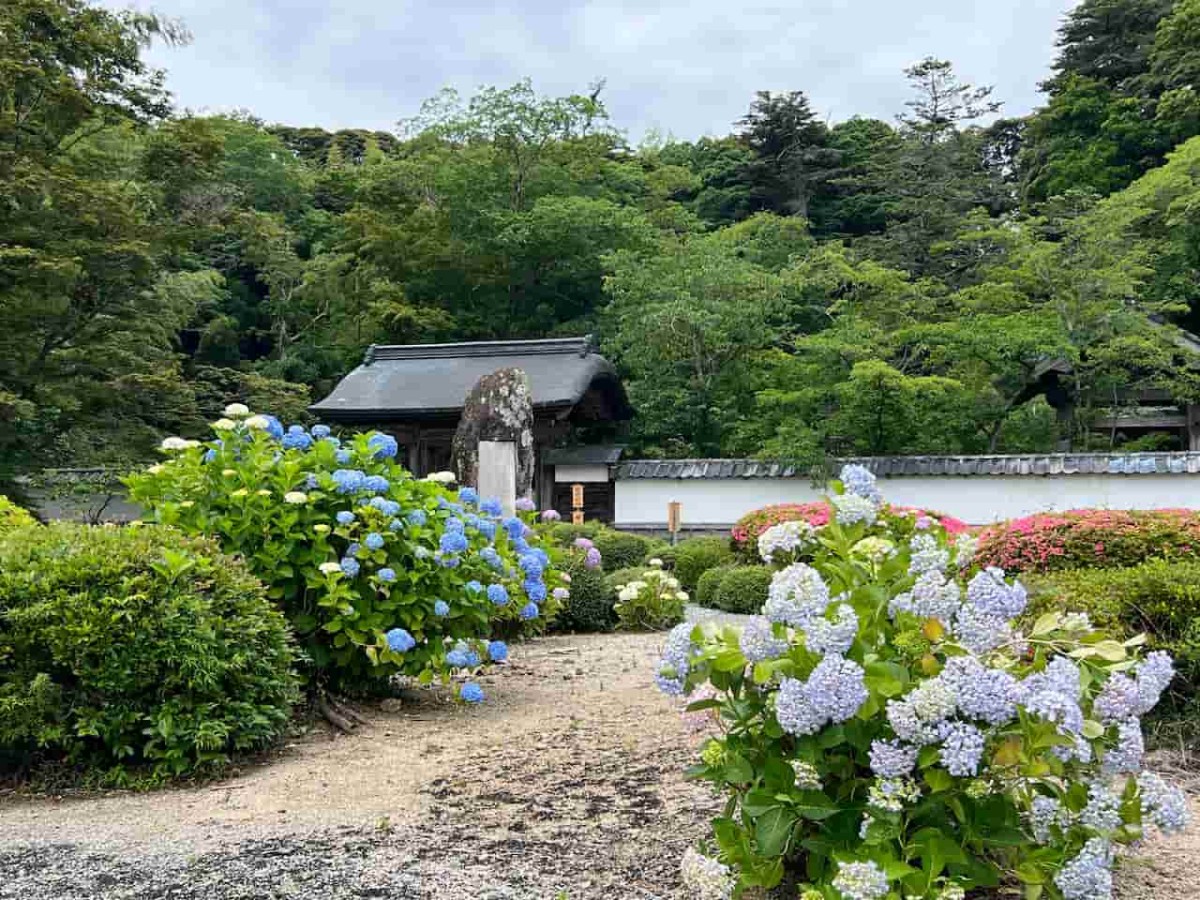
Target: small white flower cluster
661 582
174 444
441 477
784 540
706 878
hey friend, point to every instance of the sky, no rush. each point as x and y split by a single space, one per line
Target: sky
681 68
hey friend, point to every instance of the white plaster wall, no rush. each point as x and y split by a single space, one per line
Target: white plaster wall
976 499
580 474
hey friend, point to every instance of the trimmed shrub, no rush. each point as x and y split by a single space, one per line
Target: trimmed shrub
660 549
13 516
590 605
621 549
1089 538
137 645
650 602
709 584
743 589
697 555
623 576
1160 598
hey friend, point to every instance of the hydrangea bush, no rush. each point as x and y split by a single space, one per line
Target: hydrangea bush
886 731
380 573
652 601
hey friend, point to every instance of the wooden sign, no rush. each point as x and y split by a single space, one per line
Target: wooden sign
577 496
674 515
577 517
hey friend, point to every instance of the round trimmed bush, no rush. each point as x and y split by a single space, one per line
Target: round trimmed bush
137 645
621 549
697 555
743 589
1089 538
709 584
13 516
590 606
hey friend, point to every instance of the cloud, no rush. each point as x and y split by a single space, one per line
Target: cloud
684 68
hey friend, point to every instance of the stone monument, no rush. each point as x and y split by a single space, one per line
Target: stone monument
498 410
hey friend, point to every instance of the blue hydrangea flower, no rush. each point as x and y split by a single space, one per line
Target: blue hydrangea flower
534 590
300 441
1162 804
860 481
374 541
927 555
531 564
387 574
492 557
1103 810
453 542
498 651
441 608
487 528
350 566
376 484
274 427
992 596
529 611
320 431
455 524
834 691
383 446
676 660
931 597
332 441
491 506
850 509
473 587
498 594
513 527
400 641
343 456
471 692
395 525
468 495
861 880
345 517
824 636
798 594
210 454
981 692
1126 756
448 562
354 549
384 505
348 481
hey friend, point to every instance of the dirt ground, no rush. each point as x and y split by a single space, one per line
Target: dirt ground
565 785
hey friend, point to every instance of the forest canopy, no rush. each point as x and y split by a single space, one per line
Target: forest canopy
949 281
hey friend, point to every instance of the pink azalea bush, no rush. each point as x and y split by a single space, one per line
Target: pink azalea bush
1089 538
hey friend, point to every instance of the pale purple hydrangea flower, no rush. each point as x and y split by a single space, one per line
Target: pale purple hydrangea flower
797 595
931 597
676 660
918 716
1103 810
979 632
861 881
834 692
981 692
1089 875
891 759
832 637
758 642
1126 756
1162 804
992 596
850 509
927 555
962 748
860 482
1046 814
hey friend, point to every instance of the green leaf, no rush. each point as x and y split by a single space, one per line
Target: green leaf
773 829
814 805
1092 729
738 769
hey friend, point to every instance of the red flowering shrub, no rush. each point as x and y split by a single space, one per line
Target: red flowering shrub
747 529
1089 538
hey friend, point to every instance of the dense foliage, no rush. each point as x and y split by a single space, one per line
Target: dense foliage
378 572
13 516
795 288
1089 538
742 588
1159 598
695 556
127 646
884 730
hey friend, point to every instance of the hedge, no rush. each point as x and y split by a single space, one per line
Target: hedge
709 584
1160 598
13 516
590 606
136 645
1089 538
697 555
743 589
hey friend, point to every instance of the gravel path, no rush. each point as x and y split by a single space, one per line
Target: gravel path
566 785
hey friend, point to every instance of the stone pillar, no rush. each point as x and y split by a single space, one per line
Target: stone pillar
498 473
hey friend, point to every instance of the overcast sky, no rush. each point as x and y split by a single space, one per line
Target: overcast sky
684 67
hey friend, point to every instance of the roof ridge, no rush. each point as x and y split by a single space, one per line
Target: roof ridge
475 349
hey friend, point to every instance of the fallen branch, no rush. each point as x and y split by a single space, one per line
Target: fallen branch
333 717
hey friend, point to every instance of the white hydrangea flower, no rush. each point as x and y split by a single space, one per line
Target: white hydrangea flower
237 410
224 424
155 469
656 563
258 423
295 497
173 444
441 477
786 537
707 879
330 568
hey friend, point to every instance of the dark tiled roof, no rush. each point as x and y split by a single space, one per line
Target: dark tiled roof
900 466
590 455
430 379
